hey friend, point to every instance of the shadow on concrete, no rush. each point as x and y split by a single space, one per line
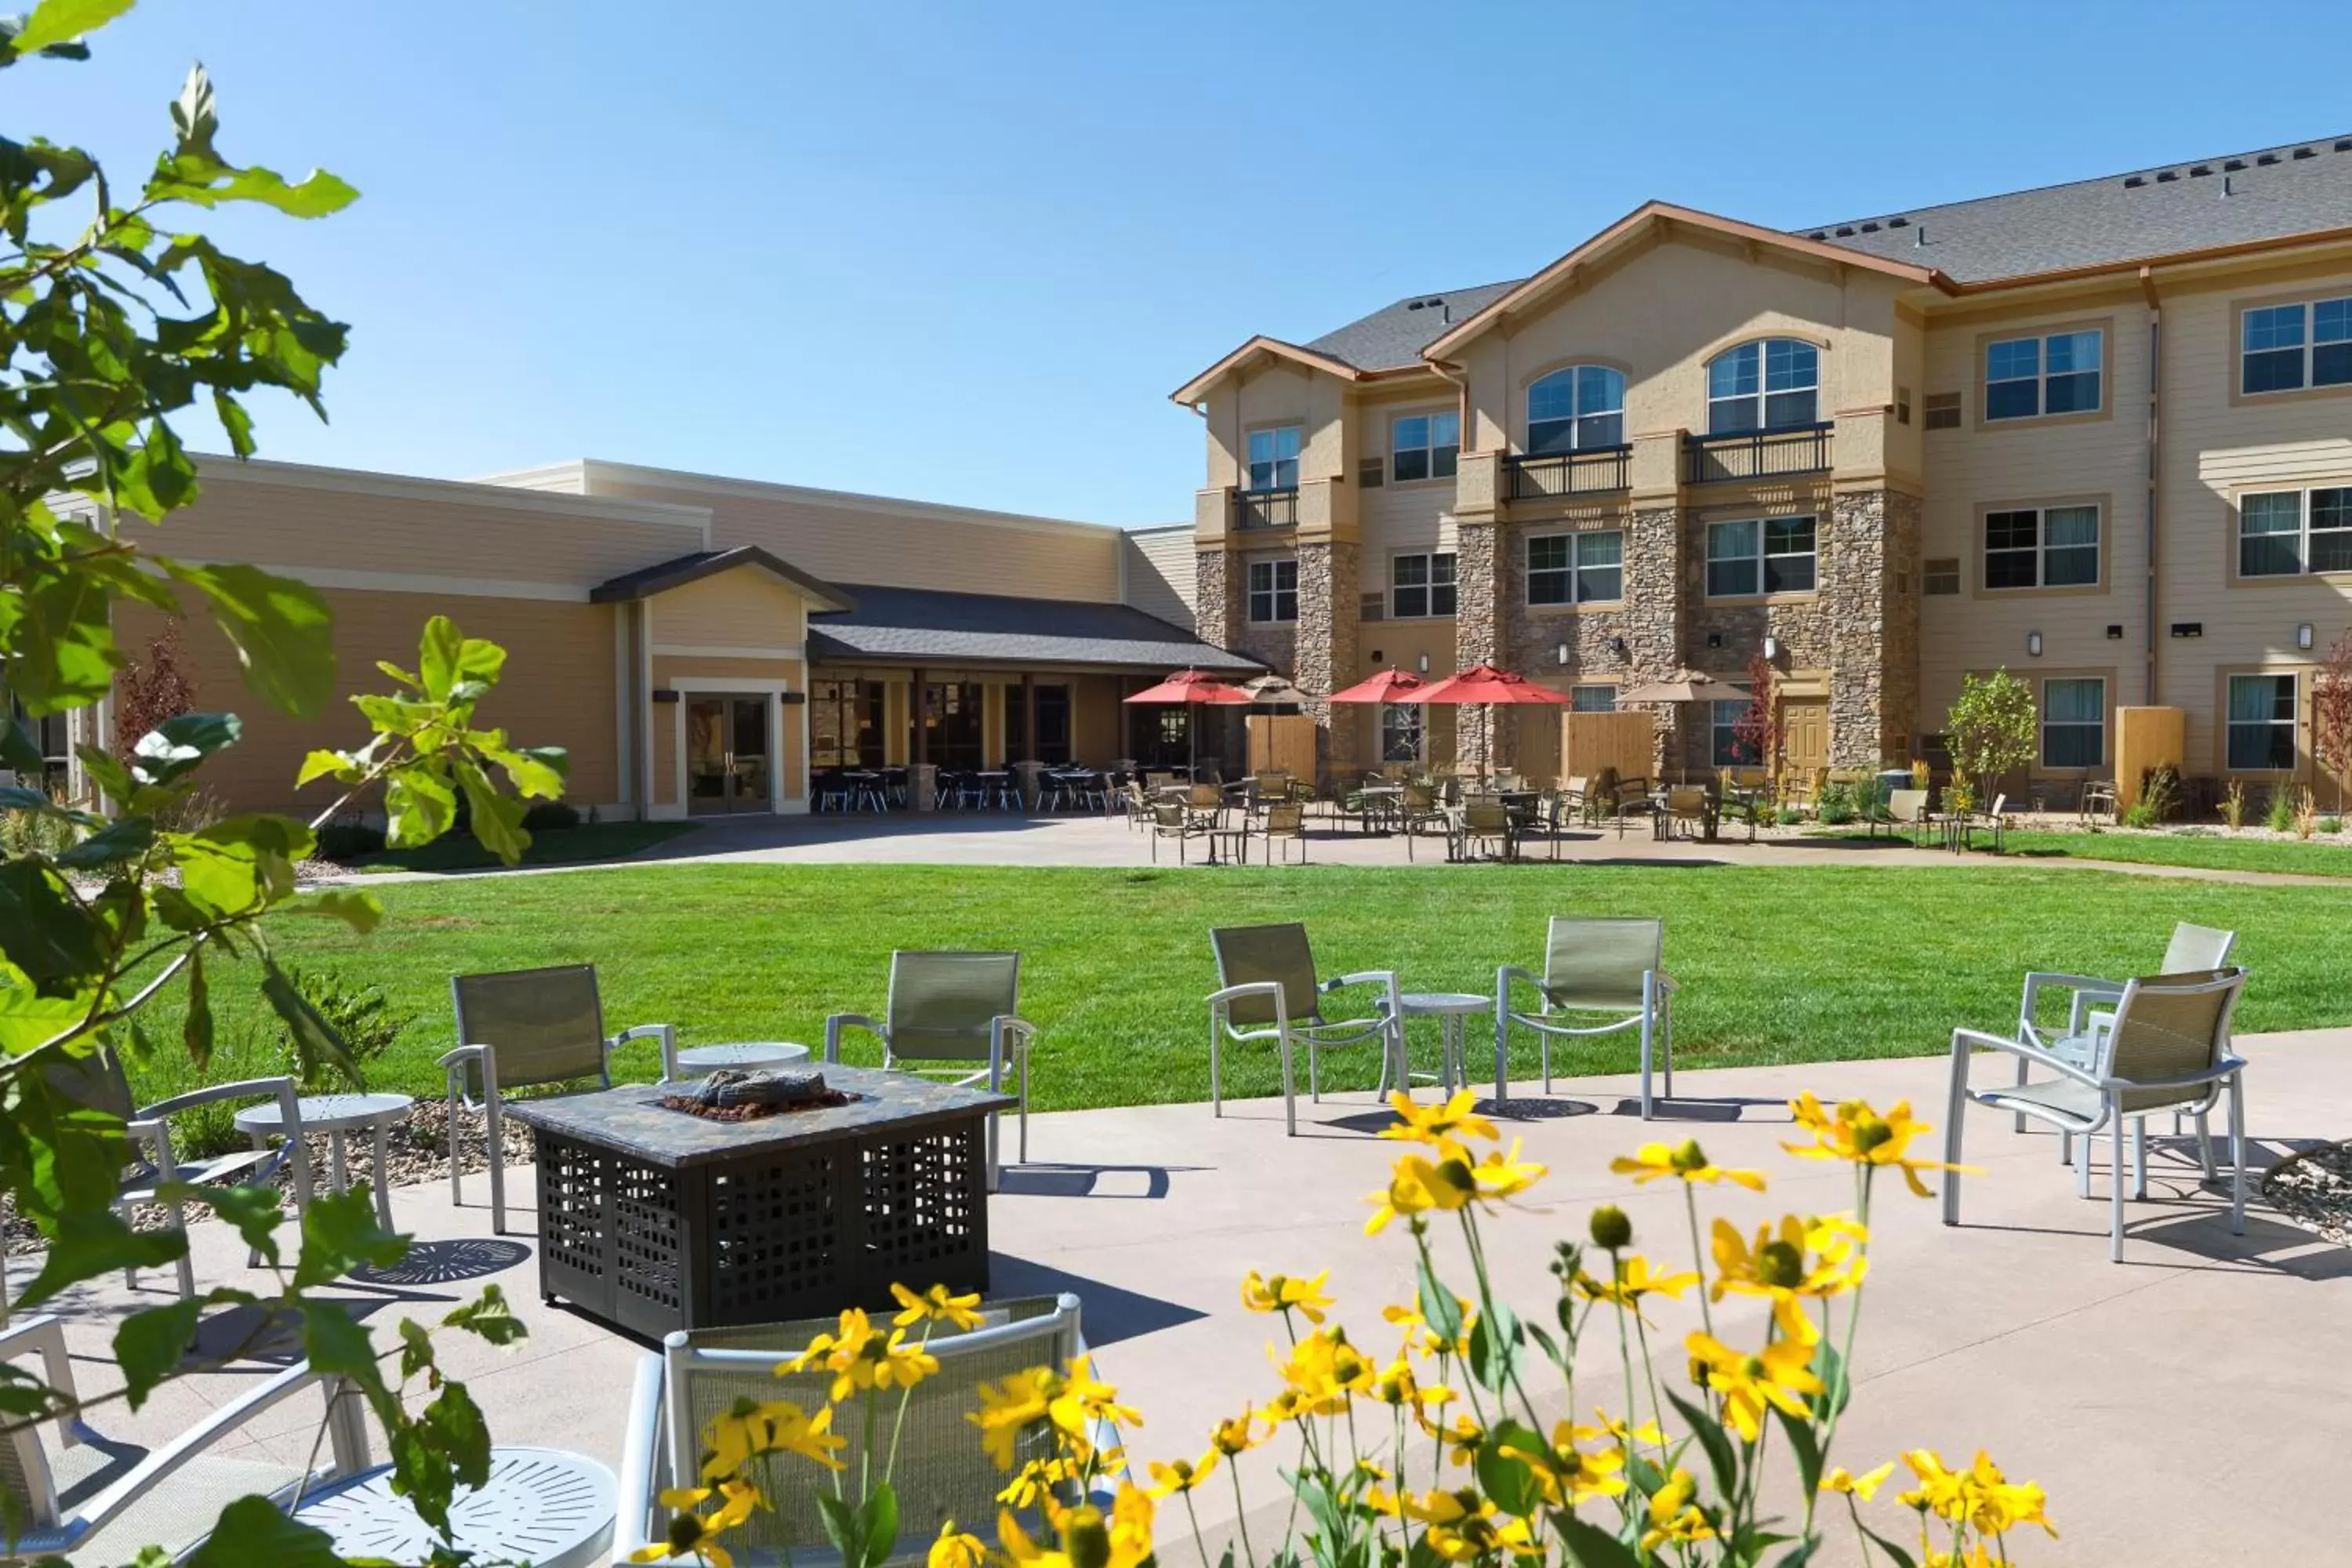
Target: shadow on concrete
265 1331
1108 1314
1537 1110
1126 1183
450 1262
1728 1109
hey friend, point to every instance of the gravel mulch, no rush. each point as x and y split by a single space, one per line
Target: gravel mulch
418 1152
2313 1190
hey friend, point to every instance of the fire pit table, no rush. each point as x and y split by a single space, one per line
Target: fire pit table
652 1218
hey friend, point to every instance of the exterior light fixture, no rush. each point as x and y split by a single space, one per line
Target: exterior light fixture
1771 647
1562 650
2033 644
1617 646
2303 635
1423 663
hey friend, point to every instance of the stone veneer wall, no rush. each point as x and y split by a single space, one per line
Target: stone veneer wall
1899 717
1653 617
1325 646
1482 613
1216 599
1874 684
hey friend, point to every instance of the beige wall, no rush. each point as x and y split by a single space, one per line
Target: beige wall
1161 573
742 608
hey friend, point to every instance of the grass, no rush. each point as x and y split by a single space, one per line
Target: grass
2215 852
549 846
1777 963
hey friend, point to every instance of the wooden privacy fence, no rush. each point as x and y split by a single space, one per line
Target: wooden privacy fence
1282 742
1590 743
2145 737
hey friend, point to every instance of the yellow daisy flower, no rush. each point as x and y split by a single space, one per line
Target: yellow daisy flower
1685 1162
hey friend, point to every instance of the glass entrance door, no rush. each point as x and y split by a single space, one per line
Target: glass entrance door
727 757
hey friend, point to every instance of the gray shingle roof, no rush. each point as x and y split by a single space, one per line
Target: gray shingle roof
2270 193
920 622
679 570
1392 337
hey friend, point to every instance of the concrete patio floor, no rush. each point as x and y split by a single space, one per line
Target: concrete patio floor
2169 1403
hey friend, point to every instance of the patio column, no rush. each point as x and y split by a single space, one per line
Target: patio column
1028 717
1480 635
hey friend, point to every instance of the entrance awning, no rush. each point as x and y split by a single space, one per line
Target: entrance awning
921 626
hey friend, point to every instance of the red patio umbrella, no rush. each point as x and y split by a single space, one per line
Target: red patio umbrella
1187 688
1486 686
1388 685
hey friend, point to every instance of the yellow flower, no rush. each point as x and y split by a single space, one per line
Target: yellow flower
1464 1526
1009 1408
1419 1336
1775 1375
1568 1476
747 1429
690 1533
1674 1517
1685 1162
1324 1371
1634 1281
1417 1187
1442 1127
937 1306
955 1549
1284 1294
860 1357
1038 1481
1981 1495
1396 1385
1500 1176
1181 1475
1776 1265
1123 1540
1082 1403
1233 1435
1461 1436
1858 1133
1864 1486
1625 1434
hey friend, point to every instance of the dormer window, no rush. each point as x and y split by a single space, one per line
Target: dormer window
1774 385
1577 409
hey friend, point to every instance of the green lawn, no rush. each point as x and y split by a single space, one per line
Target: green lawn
1777 963
549 846
2312 858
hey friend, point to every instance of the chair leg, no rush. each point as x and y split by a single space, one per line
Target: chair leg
1955 1107
2205 1147
1313 1073
2237 1154
1545 1042
2139 1158
2018 1122
1648 1025
2065 1147
1216 1085
1502 1050
2083 1165
497 1159
457 1191
1024 1103
1289 1090
2116 1185
1667 1043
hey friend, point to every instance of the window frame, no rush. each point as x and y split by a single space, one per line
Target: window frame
1275 591
1437 467
1571 569
2102 330
1761 397
2307 509
2041 549
1250 460
1575 419
1763 555
2307 348
1394 724
2043 725
1577 693
2292 723
1724 746
1437 582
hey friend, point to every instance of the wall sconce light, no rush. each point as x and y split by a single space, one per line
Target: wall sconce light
1562 651
1423 664
2115 632
1771 647
2303 635
1376 656
2033 644
1617 646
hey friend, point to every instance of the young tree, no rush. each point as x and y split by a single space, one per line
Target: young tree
2331 716
114 319
1992 729
150 690
1758 732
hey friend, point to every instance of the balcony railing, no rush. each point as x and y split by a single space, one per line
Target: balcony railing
1594 471
1265 508
1756 454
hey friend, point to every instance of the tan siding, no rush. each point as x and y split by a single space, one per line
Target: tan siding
1160 573
742 608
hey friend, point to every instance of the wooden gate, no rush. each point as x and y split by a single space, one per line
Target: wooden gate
1282 742
1589 742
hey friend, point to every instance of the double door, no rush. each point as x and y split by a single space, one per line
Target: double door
728 756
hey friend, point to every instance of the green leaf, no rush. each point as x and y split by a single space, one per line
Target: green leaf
62 21
87 1243
196 1028
361 911
841 1528
317 1047
207 182
1805 1443
415 1350
1494 1346
419 807
1440 1309
125 838
1589 1546
339 1233
1895 1554
148 1345
1714 1439
62 639
490 1317
880 1519
1796 1556
253 1211
438 656
1504 1472
251 1529
179 744
282 629
496 819
331 1342
1837 1385
43 930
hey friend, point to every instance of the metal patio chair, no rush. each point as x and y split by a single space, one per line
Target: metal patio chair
1484 822
2167 1049
1593 967
522 1029
1286 821
1268 992
954 1016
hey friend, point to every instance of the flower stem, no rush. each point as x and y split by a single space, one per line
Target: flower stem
1698 1257
1241 1520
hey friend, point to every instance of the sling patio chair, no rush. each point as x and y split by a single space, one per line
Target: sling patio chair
97 1081
1287 822
55 1489
1419 808
522 1029
1593 967
955 1016
1686 806
943 1472
1176 820
1268 991
1906 809
2168 1049
1484 821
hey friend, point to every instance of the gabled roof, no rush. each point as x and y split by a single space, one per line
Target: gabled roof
679 570
1193 390
2237 200
902 624
1392 337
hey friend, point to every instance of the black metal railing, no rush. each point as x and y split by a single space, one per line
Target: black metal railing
1595 470
1265 508
1756 454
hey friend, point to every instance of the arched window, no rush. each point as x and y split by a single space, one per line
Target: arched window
1576 409
1767 385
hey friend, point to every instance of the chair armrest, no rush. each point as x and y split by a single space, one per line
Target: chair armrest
279 1088
835 1025
2019 1048
1232 993
665 1034
1013 1026
1506 974
44 1334
153 1470
1665 981
641 1463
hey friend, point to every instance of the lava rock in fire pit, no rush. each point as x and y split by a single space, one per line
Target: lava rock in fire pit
729 1088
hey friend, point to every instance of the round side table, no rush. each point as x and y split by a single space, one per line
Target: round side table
1452 1009
752 1056
542 1506
335 1114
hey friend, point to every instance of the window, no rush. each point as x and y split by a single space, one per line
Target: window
1053 724
1371 473
1729 751
1770 386
1424 447
1764 555
2027 378
1576 568
1940 575
845 723
2074 723
1402 731
1421 584
2262 723
1274 458
951 723
2284 533
1576 409
1943 411
2041 547
1273 591
1592 700
2284 348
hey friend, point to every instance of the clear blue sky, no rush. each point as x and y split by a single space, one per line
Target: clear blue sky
963 251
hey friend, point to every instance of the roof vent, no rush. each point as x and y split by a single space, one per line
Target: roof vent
2267 159
2235 164
1898 223
1845 231
2166 176
2201 169
2134 181
2345 146
1416 304
1819 233
2304 153
1869 228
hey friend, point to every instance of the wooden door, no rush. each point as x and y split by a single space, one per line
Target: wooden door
1804 734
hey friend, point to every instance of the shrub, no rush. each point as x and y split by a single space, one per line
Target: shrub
1958 796
344 842
2159 798
361 1016
550 817
2306 813
1992 729
23 833
1788 816
2234 804
2280 817
2140 814
2331 826
1836 806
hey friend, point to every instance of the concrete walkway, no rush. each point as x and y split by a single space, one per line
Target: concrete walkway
2183 1407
